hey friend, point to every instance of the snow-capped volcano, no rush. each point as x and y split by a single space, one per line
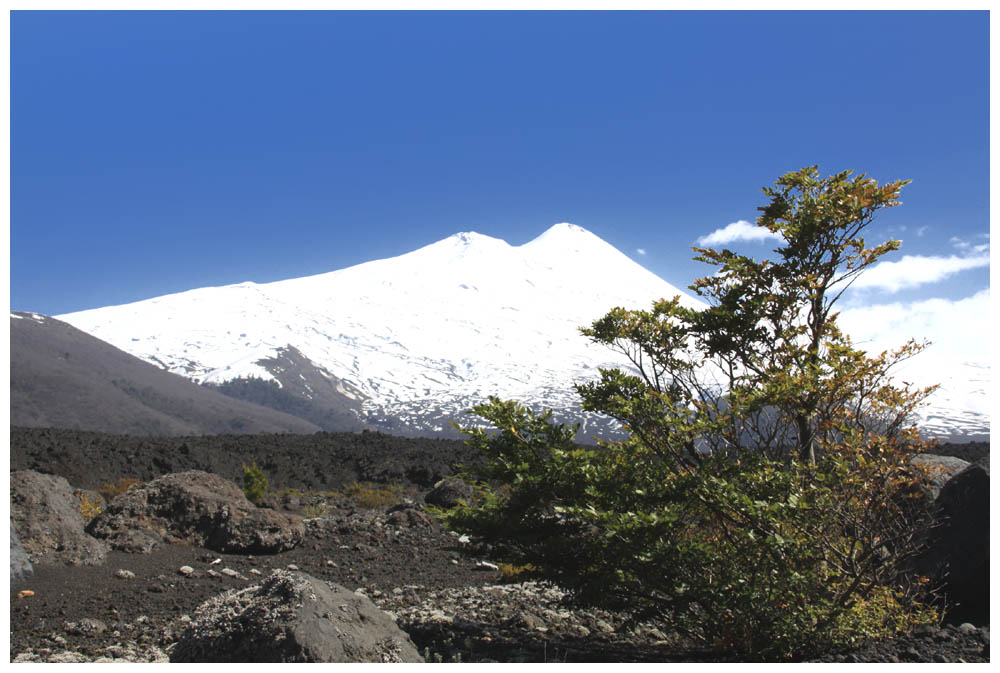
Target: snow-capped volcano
420 337
417 339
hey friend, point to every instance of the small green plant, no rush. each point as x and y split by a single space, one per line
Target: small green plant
110 491
372 496
513 573
315 511
254 482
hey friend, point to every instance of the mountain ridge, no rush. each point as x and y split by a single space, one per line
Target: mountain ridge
65 378
420 337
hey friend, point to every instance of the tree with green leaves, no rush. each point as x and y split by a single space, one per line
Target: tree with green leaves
762 501
254 482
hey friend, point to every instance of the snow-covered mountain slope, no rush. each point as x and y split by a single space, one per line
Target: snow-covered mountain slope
420 337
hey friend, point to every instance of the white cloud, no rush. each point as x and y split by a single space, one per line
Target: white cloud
915 270
738 231
965 246
921 231
959 327
959 335
641 251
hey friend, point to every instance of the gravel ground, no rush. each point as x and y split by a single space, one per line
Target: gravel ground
134 606
145 603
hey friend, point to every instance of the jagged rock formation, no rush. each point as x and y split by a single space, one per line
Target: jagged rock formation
448 492
937 471
197 507
20 565
46 516
959 548
293 618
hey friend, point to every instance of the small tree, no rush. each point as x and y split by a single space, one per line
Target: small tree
761 502
254 482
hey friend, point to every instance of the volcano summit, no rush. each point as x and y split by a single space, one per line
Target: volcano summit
410 342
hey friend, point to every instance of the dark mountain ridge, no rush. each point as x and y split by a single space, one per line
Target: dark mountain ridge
63 377
302 389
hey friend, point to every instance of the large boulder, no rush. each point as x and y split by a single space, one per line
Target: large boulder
198 508
448 492
958 551
46 518
293 618
20 565
937 470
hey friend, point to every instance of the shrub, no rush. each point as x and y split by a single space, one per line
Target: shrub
315 511
254 483
90 505
514 573
110 491
760 501
372 496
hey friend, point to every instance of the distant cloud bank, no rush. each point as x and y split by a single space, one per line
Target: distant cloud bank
954 328
915 270
738 231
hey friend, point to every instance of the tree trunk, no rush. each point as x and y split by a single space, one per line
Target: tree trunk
807 453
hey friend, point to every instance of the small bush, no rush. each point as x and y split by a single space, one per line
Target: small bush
372 496
110 491
90 505
514 573
315 511
254 483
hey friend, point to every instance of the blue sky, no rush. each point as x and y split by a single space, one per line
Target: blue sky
158 152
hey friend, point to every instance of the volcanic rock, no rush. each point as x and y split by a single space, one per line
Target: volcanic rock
196 507
937 470
46 517
293 617
20 566
959 548
448 492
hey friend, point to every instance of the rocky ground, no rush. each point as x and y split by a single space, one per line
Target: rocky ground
143 598
133 607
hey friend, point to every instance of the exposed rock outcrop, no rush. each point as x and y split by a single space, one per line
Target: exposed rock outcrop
46 517
937 471
196 507
293 618
20 566
448 492
949 644
956 547
959 549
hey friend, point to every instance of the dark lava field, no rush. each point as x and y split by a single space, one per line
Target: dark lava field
133 606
